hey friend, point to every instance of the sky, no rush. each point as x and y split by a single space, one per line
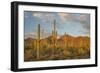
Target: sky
74 24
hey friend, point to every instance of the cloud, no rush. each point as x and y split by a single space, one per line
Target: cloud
39 15
85 20
45 15
82 18
63 16
47 18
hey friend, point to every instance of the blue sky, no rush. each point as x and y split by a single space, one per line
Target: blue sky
74 24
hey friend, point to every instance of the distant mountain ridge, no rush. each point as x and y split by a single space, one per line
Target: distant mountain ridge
60 38
63 40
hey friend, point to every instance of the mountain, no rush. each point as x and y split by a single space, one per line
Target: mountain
63 40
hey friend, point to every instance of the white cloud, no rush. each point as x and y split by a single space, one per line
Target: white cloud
44 16
37 15
63 16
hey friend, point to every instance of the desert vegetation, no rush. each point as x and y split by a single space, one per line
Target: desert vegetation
53 48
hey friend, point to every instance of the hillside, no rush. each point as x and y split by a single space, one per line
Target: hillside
52 48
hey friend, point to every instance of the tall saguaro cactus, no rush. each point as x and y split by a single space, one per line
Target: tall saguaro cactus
54 35
38 41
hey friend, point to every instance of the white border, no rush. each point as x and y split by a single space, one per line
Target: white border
22 64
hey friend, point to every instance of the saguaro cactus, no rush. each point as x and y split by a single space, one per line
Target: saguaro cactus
38 41
54 37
